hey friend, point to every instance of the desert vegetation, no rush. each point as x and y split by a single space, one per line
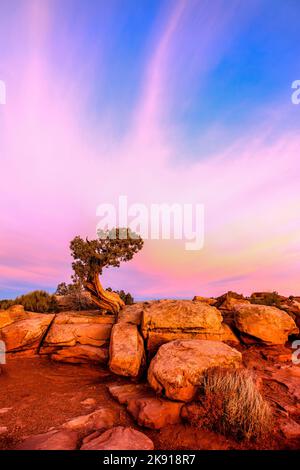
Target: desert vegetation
230 403
92 256
36 301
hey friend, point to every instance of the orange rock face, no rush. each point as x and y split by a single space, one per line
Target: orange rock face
120 438
126 351
23 331
178 366
79 337
262 323
167 320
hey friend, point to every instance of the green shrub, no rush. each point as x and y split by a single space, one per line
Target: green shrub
126 297
36 301
266 298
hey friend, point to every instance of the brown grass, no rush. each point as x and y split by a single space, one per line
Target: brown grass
233 405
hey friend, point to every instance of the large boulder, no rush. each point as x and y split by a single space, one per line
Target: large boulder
126 351
79 337
262 323
167 320
120 438
178 366
21 331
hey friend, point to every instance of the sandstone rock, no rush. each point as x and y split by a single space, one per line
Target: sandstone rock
93 334
88 402
289 428
131 314
263 323
206 300
126 351
166 320
12 314
120 438
147 409
178 366
81 354
155 413
24 334
52 440
230 303
79 337
101 419
125 393
229 335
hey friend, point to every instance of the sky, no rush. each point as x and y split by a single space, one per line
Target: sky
164 101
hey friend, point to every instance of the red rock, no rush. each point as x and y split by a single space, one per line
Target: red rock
52 440
120 438
155 413
125 393
103 418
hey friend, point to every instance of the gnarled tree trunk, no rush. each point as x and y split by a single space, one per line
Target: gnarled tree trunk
104 299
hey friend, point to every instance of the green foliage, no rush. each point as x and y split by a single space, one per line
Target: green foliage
5 304
36 301
126 297
112 248
68 289
266 298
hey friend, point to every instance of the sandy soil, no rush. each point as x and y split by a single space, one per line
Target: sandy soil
42 395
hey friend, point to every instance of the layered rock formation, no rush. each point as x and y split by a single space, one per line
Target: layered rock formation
21 331
79 337
166 320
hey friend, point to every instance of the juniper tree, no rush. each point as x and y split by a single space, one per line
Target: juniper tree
92 256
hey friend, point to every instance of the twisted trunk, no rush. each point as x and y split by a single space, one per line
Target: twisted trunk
104 299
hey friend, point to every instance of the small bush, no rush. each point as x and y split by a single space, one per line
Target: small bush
267 298
36 301
232 405
126 297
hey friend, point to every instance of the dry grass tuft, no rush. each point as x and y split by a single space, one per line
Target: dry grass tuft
233 405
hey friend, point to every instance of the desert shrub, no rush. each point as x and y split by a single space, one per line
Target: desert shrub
126 297
266 298
5 304
232 405
37 301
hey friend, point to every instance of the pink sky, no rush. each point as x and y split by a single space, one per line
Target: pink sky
58 165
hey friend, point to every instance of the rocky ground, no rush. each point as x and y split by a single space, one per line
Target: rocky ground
84 381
